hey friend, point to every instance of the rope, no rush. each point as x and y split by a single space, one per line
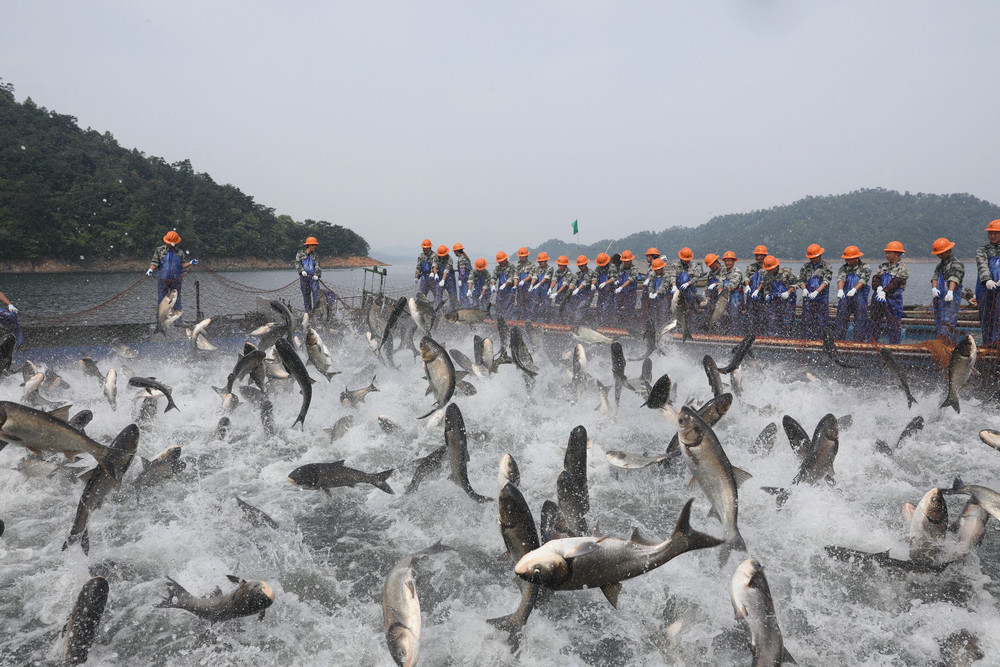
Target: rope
64 316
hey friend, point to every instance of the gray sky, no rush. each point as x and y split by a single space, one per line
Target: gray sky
498 123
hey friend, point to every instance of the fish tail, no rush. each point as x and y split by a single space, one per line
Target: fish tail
694 539
910 401
174 592
380 482
511 626
952 402
372 386
171 405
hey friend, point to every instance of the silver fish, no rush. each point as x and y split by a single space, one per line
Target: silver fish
247 599
754 607
928 525
401 609
440 372
111 388
81 628
963 358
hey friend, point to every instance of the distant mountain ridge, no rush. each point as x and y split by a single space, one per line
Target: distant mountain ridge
867 218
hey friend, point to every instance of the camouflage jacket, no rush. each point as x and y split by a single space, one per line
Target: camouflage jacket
898 272
631 271
161 252
861 270
951 270
508 271
612 272
983 256
463 262
752 269
479 274
823 271
301 255
421 258
784 274
563 273
525 266
544 273
584 278
694 270
443 265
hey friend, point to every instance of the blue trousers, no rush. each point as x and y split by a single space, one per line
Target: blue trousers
310 292
847 307
946 315
815 317
163 286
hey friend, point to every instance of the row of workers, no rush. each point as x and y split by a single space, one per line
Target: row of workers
762 300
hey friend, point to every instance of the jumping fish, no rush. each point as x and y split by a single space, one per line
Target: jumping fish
963 358
890 363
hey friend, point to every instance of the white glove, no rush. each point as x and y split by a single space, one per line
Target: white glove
880 295
840 294
305 274
493 288
991 284
469 294
532 288
315 278
949 297
441 284
805 292
593 287
852 291
756 293
11 308
879 290
576 291
194 262
673 289
685 285
149 272
553 295
814 294
618 290
645 282
935 291
654 295
503 287
784 296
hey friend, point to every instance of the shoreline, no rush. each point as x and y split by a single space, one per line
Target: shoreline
126 265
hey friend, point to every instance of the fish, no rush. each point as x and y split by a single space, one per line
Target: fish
712 371
582 334
890 363
579 371
100 483
388 425
457 452
570 498
508 472
765 441
254 515
286 317
325 476
627 461
604 407
425 466
520 352
35 467
32 396
89 367
575 563
440 372
970 527
196 334
520 536
963 358
351 397
504 332
269 333
483 353
251 395
222 429
151 384
830 347
650 338
739 353
960 649
161 468
319 354
401 609
165 313
248 363
798 439
575 463
818 461
273 366
988 498
81 628
111 388
267 418
123 350
928 525
716 476
618 369
711 413
883 559
81 419
247 599
293 364
340 428
553 523
754 606
991 437
468 365
916 424
54 382
659 395
468 316
39 432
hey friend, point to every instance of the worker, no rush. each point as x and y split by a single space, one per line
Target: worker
733 281
814 281
987 281
946 289
523 280
423 276
8 319
169 269
444 275
625 288
651 255
686 275
853 280
463 267
502 285
584 286
721 282
756 317
536 293
658 292
607 275
478 292
560 288
308 268
778 286
887 305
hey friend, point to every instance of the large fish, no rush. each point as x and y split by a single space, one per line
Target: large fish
883 559
165 313
467 364
890 363
319 354
830 347
520 536
325 476
401 609
123 350
111 388
765 441
712 371
269 333
89 367
988 498
468 316
579 371
520 352
798 438
422 313
618 369
340 428
589 336
711 412
351 397
991 437
716 476
100 484
286 318
739 353
928 524
575 563
570 498
970 528
39 432
254 515
754 607
963 358
248 598
818 461
161 468
81 628
440 372
425 466
457 452
575 463
508 472
659 395
151 384
293 364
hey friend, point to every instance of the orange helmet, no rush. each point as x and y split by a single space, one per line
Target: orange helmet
729 254
686 254
563 260
311 241
426 243
770 262
627 256
582 260
941 245
993 226
814 251
480 263
652 251
543 256
457 247
852 252
442 250
711 259
501 256
760 250
172 237
894 246
603 259
522 252
658 264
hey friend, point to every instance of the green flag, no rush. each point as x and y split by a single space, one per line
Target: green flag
576 229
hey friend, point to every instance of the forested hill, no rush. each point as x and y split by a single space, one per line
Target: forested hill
866 218
67 193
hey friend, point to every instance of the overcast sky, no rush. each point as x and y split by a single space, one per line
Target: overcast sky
498 123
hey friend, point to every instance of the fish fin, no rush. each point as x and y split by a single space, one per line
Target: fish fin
217 593
638 538
787 657
429 390
740 476
694 539
85 477
953 403
338 463
582 549
506 555
61 413
380 482
692 484
611 592
233 578
509 625
735 544
433 410
712 514
908 510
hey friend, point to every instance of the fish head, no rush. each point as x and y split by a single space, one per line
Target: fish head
306 477
687 427
543 567
933 506
252 597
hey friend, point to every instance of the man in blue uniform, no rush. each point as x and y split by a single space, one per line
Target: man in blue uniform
814 279
946 289
853 280
887 306
988 284
308 268
169 268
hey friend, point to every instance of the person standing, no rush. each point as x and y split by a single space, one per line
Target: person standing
686 275
585 283
606 274
988 284
463 267
478 294
779 288
559 288
946 289
8 319
536 293
170 268
626 283
733 281
423 277
658 291
855 277
444 271
503 285
756 320
887 306
814 280
525 276
308 268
